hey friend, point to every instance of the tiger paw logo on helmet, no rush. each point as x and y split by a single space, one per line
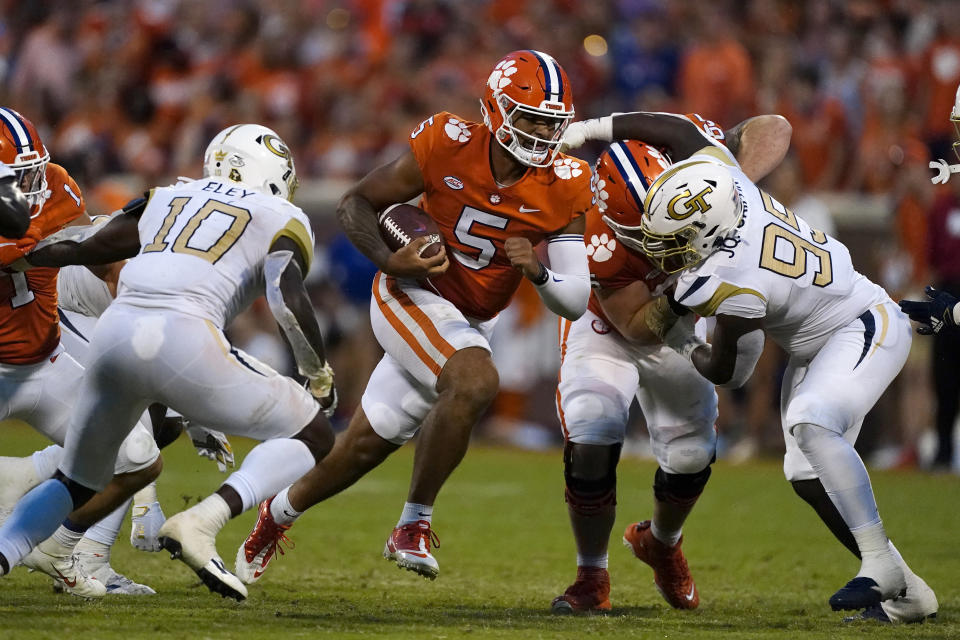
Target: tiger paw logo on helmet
456 130
567 168
500 76
600 195
601 247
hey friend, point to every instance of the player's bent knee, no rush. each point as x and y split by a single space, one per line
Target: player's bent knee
590 475
79 494
470 374
594 417
318 436
680 488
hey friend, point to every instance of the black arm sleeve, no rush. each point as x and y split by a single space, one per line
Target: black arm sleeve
677 134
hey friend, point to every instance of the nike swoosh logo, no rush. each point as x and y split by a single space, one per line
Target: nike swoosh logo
258 573
556 279
689 596
423 515
70 583
523 209
419 555
288 514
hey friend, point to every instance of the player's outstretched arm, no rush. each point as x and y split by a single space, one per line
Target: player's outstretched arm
290 304
729 360
116 240
14 208
759 144
360 206
674 132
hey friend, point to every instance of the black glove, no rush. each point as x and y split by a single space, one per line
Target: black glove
933 314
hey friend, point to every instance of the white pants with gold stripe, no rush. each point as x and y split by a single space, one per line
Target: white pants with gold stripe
600 375
838 386
418 331
139 356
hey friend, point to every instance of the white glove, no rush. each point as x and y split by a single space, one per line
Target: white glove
579 132
681 337
211 444
322 388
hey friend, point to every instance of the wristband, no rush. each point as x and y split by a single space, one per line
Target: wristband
542 277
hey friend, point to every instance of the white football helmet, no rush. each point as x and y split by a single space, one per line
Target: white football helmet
688 211
254 155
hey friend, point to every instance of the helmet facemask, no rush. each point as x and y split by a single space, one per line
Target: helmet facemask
955 119
529 148
31 178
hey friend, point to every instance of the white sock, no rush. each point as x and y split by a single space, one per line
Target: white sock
281 510
62 542
99 550
666 536
269 467
907 571
46 461
107 530
413 512
592 561
214 509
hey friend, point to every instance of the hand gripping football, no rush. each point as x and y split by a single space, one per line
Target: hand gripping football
400 224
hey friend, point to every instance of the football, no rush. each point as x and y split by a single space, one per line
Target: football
401 223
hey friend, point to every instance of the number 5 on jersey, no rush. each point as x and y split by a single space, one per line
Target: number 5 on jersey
208 233
470 217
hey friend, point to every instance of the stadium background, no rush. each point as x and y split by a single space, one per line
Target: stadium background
127 94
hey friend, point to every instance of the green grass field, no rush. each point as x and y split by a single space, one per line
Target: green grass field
764 564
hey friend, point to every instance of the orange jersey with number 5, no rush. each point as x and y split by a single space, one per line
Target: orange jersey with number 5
29 324
476 215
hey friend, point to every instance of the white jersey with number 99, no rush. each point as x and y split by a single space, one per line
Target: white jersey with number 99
203 243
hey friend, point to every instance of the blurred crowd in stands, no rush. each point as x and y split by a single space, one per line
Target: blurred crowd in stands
136 88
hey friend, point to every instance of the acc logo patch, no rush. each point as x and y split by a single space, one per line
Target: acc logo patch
456 130
453 182
600 327
567 168
692 204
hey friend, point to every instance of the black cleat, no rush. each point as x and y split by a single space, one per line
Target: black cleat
859 593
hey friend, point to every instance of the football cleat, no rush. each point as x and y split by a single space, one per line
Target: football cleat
860 593
919 603
145 522
261 545
67 573
671 575
409 546
187 539
590 592
97 565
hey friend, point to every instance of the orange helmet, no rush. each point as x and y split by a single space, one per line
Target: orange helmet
22 150
621 177
529 86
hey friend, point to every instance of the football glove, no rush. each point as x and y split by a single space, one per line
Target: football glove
932 314
323 389
681 337
211 444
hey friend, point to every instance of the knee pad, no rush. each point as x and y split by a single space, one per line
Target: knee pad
680 488
137 451
590 474
594 413
79 494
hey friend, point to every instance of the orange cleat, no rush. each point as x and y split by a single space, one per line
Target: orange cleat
670 571
261 545
590 592
409 547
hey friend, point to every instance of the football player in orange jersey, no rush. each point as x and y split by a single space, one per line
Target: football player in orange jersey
611 355
495 191
37 378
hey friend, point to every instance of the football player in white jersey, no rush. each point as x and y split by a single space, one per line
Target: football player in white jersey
742 257
201 251
941 309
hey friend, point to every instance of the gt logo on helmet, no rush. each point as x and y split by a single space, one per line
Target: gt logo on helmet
692 204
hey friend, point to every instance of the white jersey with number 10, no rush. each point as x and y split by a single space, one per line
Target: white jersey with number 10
203 243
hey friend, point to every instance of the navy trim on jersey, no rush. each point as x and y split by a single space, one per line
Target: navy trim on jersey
70 326
236 354
869 330
699 282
